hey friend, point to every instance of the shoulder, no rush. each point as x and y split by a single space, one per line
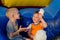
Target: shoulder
29 26
9 24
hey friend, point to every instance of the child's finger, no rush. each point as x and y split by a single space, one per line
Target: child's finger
20 26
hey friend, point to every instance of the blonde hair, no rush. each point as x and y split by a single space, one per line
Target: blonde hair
10 11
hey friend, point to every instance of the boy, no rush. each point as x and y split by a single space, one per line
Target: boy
12 26
36 31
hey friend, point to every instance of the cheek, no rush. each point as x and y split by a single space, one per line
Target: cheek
37 19
34 19
16 16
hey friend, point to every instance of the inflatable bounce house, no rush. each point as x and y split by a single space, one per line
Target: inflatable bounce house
26 10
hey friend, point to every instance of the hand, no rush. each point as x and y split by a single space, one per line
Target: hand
40 16
26 30
31 37
28 39
22 29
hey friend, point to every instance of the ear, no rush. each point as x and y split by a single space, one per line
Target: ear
13 15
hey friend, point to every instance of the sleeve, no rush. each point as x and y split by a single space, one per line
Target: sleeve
10 28
29 27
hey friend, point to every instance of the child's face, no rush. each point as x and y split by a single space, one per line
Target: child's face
16 15
36 18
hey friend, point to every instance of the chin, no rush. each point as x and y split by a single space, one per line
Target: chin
18 18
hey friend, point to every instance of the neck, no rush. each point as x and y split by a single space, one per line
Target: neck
12 20
36 23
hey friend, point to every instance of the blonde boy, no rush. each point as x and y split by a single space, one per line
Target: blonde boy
12 26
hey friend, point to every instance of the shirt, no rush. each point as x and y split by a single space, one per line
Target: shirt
35 27
11 28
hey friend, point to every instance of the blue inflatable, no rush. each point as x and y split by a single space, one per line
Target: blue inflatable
3 22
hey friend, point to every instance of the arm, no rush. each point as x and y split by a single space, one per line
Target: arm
44 24
41 13
17 32
11 32
29 32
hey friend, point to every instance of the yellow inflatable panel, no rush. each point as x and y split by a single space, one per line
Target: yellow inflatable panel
10 3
